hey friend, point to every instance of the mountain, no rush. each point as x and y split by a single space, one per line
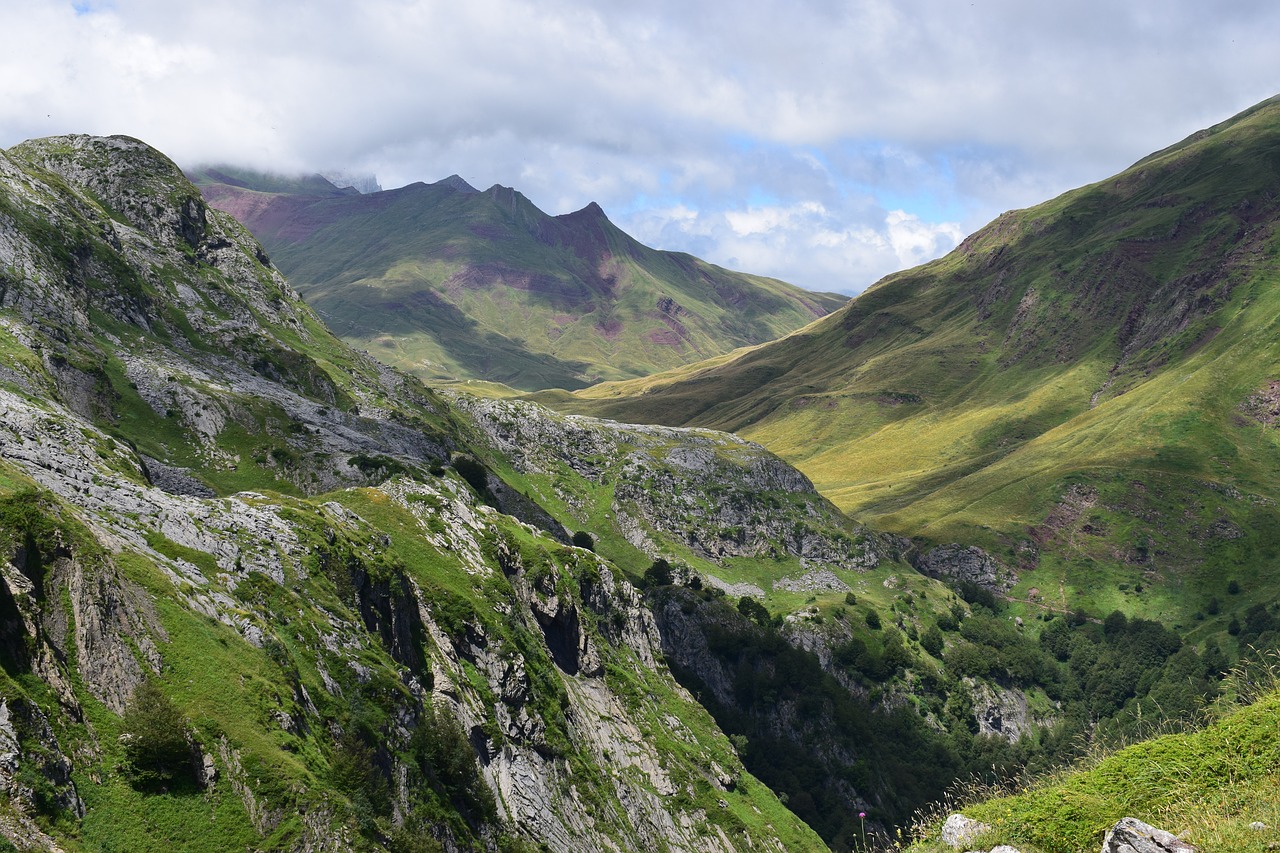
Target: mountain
446 281
1086 389
259 591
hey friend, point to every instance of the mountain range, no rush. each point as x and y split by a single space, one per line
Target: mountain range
449 282
262 591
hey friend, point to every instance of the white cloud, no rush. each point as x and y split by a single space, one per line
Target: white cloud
766 220
950 112
915 241
804 242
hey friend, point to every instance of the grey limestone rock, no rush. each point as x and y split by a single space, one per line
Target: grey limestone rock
1131 835
712 492
966 563
959 830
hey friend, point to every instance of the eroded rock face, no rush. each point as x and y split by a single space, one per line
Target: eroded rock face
1131 835
714 493
966 563
1002 712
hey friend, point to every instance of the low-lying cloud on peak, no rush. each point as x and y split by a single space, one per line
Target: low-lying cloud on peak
839 114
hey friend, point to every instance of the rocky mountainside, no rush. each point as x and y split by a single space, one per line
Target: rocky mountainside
1086 390
446 281
259 591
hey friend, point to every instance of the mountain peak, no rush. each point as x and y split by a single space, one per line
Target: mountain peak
591 212
457 182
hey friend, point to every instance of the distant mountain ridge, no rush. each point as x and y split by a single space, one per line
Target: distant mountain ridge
450 282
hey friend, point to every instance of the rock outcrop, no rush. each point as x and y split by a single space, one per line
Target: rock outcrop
966 563
202 490
958 830
1131 835
706 493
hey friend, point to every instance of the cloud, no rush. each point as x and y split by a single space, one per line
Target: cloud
948 112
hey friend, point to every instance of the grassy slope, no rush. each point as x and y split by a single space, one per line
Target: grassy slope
1106 339
1207 786
450 283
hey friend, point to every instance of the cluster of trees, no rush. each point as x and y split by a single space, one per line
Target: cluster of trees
1111 680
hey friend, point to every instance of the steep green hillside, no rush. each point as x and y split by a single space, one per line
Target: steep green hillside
1086 389
446 282
257 592
1214 787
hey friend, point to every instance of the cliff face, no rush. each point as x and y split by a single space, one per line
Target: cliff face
705 498
202 491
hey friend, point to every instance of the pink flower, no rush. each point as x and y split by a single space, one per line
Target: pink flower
862 815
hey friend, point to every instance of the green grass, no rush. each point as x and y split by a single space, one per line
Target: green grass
1207 786
1109 338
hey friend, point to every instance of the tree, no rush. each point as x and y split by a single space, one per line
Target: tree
157 745
658 574
932 641
753 610
1115 623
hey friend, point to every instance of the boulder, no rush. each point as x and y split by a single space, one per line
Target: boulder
960 830
1131 835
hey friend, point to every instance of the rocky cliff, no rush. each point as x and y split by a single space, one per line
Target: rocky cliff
703 495
247 600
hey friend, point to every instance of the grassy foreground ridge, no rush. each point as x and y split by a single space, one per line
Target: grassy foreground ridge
1207 786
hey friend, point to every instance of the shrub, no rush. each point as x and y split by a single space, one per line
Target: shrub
753 610
157 745
658 574
873 620
583 539
931 641
474 473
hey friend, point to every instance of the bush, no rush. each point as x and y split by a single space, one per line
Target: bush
931 641
447 762
753 610
873 620
474 473
157 745
658 574
583 539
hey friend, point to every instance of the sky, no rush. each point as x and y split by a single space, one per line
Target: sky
824 143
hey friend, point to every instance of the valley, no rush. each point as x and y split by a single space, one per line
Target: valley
1009 510
1079 388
